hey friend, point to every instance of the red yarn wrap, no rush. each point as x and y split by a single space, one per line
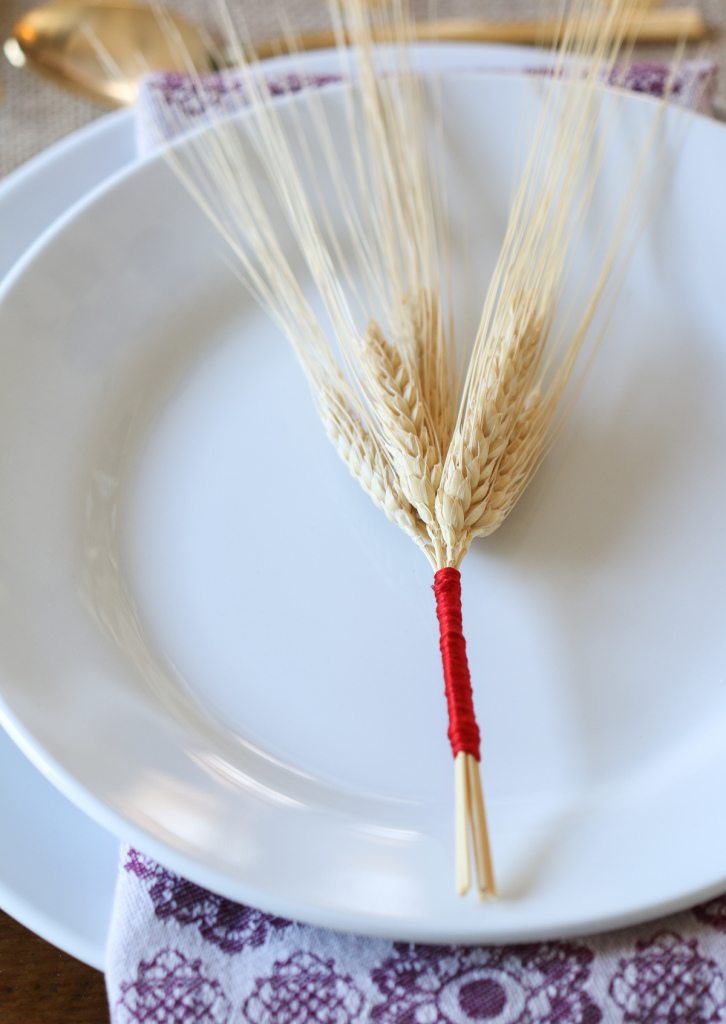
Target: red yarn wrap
463 730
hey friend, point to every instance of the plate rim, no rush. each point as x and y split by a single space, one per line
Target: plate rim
331 918
50 926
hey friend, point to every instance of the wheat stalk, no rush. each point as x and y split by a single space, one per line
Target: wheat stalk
446 467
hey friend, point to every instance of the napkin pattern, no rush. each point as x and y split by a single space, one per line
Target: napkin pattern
169 101
181 955
178 954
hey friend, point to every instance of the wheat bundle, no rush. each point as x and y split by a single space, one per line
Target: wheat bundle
445 462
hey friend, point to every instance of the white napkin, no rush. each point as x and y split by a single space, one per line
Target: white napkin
180 954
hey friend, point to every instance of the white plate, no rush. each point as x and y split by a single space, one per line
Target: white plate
57 866
137 376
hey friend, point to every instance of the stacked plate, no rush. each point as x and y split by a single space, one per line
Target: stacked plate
230 680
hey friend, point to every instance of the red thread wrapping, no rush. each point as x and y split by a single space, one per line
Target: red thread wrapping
463 730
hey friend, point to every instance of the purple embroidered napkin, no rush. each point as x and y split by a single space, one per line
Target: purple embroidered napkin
178 954
170 94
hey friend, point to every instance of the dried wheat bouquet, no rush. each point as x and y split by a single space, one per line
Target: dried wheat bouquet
445 461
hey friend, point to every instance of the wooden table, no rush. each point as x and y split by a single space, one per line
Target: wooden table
41 985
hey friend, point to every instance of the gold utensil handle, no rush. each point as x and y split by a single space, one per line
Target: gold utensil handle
647 26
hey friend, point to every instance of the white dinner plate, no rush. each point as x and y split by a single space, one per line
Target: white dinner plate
57 866
216 646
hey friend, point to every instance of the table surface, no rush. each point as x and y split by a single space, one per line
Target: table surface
38 983
41 985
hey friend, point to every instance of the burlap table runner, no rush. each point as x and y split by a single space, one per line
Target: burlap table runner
34 113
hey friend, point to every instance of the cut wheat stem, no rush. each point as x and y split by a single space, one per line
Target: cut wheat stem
480 831
461 811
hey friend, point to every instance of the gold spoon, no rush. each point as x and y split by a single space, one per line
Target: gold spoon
101 49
